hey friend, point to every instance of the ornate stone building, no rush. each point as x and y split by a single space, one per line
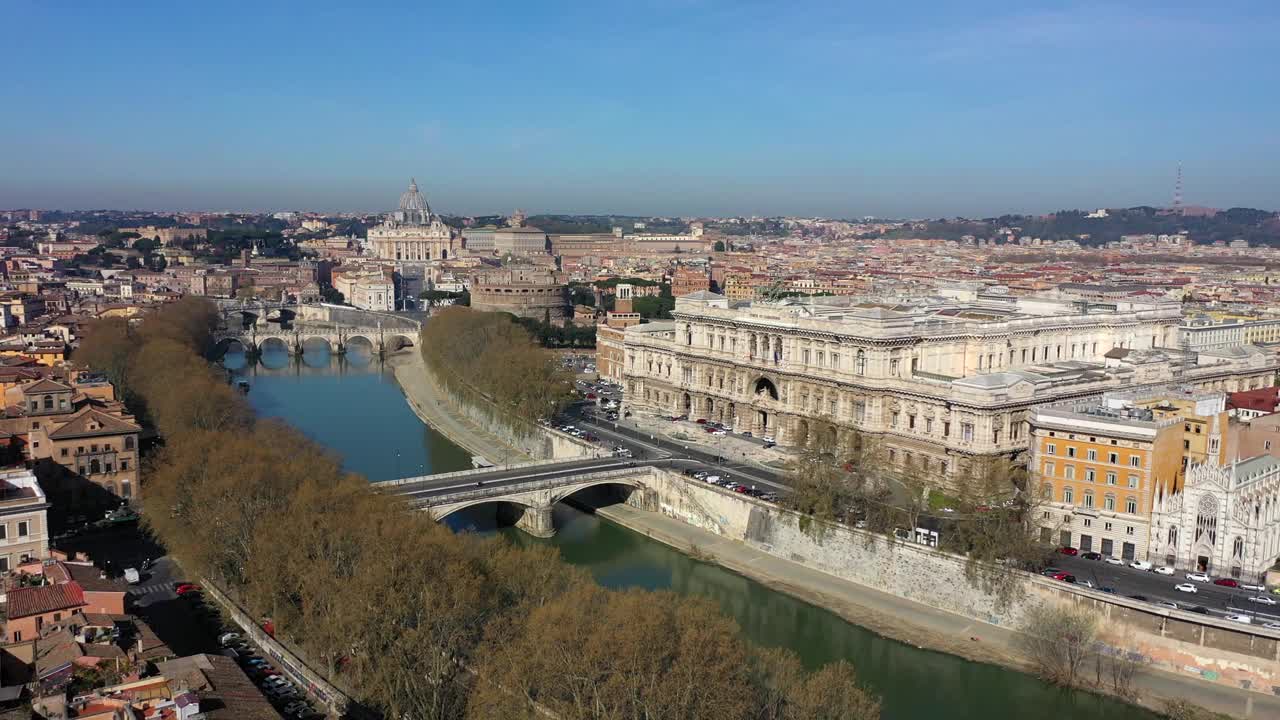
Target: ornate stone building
1224 521
413 233
938 379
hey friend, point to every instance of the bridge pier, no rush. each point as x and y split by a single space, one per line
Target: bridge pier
537 521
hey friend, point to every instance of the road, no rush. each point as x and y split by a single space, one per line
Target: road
1128 581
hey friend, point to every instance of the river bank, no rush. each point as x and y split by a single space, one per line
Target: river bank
434 409
907 621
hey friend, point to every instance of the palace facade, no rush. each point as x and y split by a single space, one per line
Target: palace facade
939 379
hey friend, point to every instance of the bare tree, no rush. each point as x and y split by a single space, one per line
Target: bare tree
1059 641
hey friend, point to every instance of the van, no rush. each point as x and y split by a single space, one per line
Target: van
1140 565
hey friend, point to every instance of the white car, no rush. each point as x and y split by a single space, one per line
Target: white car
1185 587
226 639
1140 565
1253 588
1164 570
1271 626
1241 619
1263 599
1198 577
1113 561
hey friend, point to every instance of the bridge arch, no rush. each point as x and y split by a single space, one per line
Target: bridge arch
500 499
398 342
273 342
562 494
316 341
363 341
227 344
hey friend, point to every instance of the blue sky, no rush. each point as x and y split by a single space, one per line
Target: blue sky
661 107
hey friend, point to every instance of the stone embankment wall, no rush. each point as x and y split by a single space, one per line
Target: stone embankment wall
536 441
1184 643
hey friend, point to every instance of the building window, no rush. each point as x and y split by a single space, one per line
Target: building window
1071 452
860 364
1107 527
1088 498
1113 458
4 567
966 432
1088 522
64 452
1135 461
4 531
1131 505
124 465
1133 481
1050 449
1090 475
1128 530
1109 502
1069 472
1111 478
1091 455
1068 495
24 528
1049 469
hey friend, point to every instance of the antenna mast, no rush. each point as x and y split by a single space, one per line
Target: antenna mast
1177 192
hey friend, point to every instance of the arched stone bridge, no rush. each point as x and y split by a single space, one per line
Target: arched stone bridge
253 338
533 488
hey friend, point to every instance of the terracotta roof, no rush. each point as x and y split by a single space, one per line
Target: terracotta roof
92 423
28 601
44 386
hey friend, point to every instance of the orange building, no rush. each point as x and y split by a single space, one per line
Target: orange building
1098 467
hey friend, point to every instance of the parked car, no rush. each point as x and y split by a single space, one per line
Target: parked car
1262 600
1064 577
1198 609
1113 561
1140 565
1068 551
1241 619
1167 604
1165 570
1271 626
228 639
1253 587
1199 577
1050 571
186 588
1227 582
1185 587
1143 598
1092 556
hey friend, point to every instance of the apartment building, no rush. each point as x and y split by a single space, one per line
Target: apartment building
1098 467
24 533
941 380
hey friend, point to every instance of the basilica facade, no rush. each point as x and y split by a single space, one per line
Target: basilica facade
414 233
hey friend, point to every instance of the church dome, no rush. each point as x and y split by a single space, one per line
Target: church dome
414 209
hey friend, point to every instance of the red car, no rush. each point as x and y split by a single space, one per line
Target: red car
1226 582
186 588
1064 577
1068 551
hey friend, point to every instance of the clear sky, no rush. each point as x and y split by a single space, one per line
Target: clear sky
663 107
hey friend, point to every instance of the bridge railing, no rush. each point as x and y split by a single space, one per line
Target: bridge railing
486 491
463 473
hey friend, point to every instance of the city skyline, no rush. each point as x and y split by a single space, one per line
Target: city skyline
670 109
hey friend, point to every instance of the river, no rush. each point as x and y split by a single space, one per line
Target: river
354 406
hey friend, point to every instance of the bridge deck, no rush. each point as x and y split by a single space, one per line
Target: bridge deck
425 488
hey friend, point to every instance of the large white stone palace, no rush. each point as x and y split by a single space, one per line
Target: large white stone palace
940 379
414 233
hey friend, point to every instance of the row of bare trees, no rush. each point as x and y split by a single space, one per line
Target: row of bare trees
412 619
478 353
846 476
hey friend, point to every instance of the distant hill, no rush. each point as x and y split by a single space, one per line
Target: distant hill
1258 227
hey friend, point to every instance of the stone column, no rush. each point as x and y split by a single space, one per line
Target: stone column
537 521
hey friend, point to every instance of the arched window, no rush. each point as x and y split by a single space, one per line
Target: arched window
1109 502
48 402
1237 547
1068 495
860 364
128 442
1131 505
1173 535
1207 519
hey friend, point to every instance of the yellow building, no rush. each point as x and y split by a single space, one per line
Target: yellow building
1203 415
1098 466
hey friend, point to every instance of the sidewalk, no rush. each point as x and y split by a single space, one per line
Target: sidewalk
732 447
434 410
908 621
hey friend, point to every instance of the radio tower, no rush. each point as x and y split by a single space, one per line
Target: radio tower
1177 192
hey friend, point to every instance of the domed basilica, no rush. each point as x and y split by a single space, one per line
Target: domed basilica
413 232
